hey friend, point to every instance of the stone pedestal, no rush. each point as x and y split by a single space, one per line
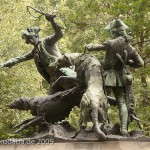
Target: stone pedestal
58 138
107 145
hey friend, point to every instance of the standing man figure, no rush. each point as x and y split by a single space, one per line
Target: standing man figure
114 71
118 28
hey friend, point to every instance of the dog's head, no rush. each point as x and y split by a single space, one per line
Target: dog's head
19 104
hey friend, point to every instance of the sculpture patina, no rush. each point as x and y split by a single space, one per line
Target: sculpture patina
93 101
118 28
45 50
119 53
48 109
83 83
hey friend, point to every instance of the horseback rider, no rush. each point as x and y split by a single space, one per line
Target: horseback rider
45 50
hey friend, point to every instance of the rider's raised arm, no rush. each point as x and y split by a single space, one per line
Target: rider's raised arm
13 61
50 40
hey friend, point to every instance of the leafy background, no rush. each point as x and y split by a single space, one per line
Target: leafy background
84 22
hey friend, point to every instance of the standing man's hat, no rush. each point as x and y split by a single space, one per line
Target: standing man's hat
116 23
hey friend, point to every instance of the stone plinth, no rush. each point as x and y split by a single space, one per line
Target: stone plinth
107 145
58 137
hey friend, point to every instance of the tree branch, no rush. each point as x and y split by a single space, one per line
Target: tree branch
141 42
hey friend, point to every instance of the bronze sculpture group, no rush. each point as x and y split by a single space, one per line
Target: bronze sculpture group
81 75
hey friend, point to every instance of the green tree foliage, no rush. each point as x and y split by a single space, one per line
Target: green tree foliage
23 79
84 22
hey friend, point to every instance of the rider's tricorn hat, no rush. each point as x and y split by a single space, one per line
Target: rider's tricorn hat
116 23
30 31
